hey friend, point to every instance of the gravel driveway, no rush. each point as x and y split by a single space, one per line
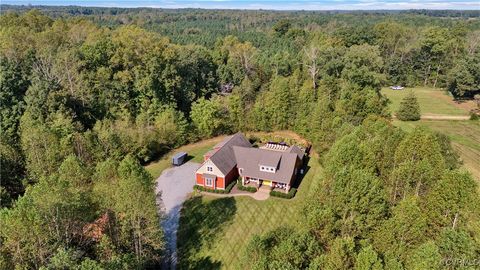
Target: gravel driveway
174 185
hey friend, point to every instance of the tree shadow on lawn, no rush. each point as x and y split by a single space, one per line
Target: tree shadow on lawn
200 224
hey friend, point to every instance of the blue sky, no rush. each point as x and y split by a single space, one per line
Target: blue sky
266 4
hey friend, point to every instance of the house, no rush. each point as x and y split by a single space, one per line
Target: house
220 167
274 165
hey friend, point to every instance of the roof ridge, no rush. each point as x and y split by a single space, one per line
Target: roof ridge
229 139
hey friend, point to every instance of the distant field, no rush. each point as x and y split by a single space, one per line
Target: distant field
432 101
214 232
465 136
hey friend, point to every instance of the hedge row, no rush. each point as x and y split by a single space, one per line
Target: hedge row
289 195
244 188
221 191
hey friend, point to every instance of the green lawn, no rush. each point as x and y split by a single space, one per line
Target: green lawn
465 136
431 100
195 152
214 231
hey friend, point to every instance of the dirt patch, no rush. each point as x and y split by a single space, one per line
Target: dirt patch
281 133
429 116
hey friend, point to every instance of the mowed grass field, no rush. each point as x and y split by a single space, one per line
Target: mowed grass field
465 137
214 231
464 134
433 101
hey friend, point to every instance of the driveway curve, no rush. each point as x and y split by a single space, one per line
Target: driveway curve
173 186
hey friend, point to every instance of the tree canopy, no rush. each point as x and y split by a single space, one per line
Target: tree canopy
89 95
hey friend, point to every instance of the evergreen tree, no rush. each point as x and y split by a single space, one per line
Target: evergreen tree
426 256
409 109
419 164
340 256
405 230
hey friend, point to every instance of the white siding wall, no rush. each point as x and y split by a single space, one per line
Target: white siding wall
203 169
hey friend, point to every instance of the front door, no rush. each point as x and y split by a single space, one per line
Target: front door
210 182
267 183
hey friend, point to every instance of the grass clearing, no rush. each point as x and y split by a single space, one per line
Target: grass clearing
465 136
214 231
195 153
433 101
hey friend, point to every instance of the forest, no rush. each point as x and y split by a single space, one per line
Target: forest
90 95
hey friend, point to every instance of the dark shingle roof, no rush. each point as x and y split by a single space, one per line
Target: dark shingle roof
224 158
295 149
272 159
249 160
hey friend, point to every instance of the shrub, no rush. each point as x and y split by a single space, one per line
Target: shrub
474 116
219 191
409 109
244 188
289 195
230 186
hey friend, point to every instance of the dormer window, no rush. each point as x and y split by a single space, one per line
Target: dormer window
268 169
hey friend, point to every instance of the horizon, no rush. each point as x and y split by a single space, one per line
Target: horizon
280 5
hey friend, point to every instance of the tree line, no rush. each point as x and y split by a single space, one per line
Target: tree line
387 200
86 103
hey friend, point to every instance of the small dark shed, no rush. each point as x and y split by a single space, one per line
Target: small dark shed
179 158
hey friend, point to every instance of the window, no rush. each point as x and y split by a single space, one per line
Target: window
209 169
268 169
208 182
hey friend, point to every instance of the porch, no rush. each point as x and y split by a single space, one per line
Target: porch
265 184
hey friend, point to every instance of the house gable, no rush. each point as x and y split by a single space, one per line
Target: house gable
215 171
